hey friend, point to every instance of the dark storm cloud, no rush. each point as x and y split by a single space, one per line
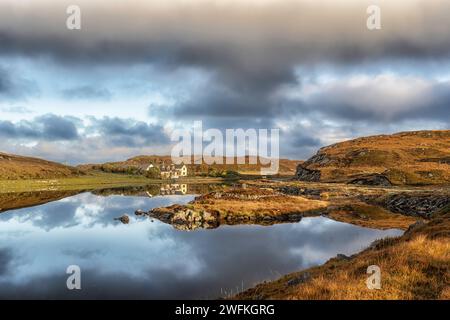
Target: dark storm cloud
234 97
250 48
87 93
15 87
129 132
46 127
55 127
239 34
383 98
223 102
299 139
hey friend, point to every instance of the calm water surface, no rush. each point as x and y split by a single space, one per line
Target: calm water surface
146 259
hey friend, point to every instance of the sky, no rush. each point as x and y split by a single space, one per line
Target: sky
137 70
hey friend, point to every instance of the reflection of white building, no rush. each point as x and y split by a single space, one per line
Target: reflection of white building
170 189
171 171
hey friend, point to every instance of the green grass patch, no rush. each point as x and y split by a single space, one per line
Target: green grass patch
91 182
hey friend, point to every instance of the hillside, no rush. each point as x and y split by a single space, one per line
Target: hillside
407 158
19 167
139 163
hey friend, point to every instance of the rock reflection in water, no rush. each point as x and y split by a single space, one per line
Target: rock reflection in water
186 219
153 260
153 190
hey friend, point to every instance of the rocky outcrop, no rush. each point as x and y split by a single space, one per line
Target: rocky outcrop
262 219
124 219
320 159
262 206
416 205
240 194
183 218
443 160
298 191
140 212
372 180
305 174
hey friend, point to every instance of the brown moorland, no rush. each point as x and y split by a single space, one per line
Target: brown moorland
406 158
14 167
139 163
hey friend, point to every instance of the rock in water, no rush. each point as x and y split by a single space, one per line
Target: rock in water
124 219
139 212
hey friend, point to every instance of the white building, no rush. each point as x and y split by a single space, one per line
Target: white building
171 171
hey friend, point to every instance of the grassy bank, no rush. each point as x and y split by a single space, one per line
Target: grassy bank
413 266
90 182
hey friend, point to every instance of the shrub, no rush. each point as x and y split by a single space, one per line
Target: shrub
153 173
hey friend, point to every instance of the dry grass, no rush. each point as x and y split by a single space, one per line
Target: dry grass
17 167
414 266
256 202
86 182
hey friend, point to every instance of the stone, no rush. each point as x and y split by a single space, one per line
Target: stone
416 205
305 174
124 219
372 180
139 212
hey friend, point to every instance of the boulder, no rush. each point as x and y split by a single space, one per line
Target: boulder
372 180
124 219
305 174
416 205
297 191
139 212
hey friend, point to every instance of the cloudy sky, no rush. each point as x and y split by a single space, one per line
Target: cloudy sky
138 69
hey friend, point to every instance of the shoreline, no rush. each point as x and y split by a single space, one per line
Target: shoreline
422 252
94 182
413 266
267 202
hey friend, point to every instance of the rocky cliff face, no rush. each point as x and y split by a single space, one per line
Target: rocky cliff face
372 180
420 205
304 174
424 206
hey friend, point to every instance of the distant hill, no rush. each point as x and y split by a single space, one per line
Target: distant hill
406 158
19 167
139 163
